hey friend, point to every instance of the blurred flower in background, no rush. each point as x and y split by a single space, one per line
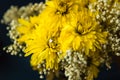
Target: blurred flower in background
74 37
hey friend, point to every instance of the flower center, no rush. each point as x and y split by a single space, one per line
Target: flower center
79 28
62 8
52 43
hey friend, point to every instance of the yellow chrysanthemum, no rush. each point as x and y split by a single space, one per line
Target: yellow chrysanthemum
26 27
84 34
93 62
59 12
40 40
63 10
43 46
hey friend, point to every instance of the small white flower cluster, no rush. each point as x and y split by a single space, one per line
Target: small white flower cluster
12 21
109 17
75 65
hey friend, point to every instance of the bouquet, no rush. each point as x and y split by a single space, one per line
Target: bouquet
74 37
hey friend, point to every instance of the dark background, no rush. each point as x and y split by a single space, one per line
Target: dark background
18 68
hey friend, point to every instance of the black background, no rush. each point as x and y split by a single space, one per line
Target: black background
18 68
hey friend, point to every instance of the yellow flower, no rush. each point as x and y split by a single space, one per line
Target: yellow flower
43 46
26 27
92 72
40 39
93 62
59 12
83 34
